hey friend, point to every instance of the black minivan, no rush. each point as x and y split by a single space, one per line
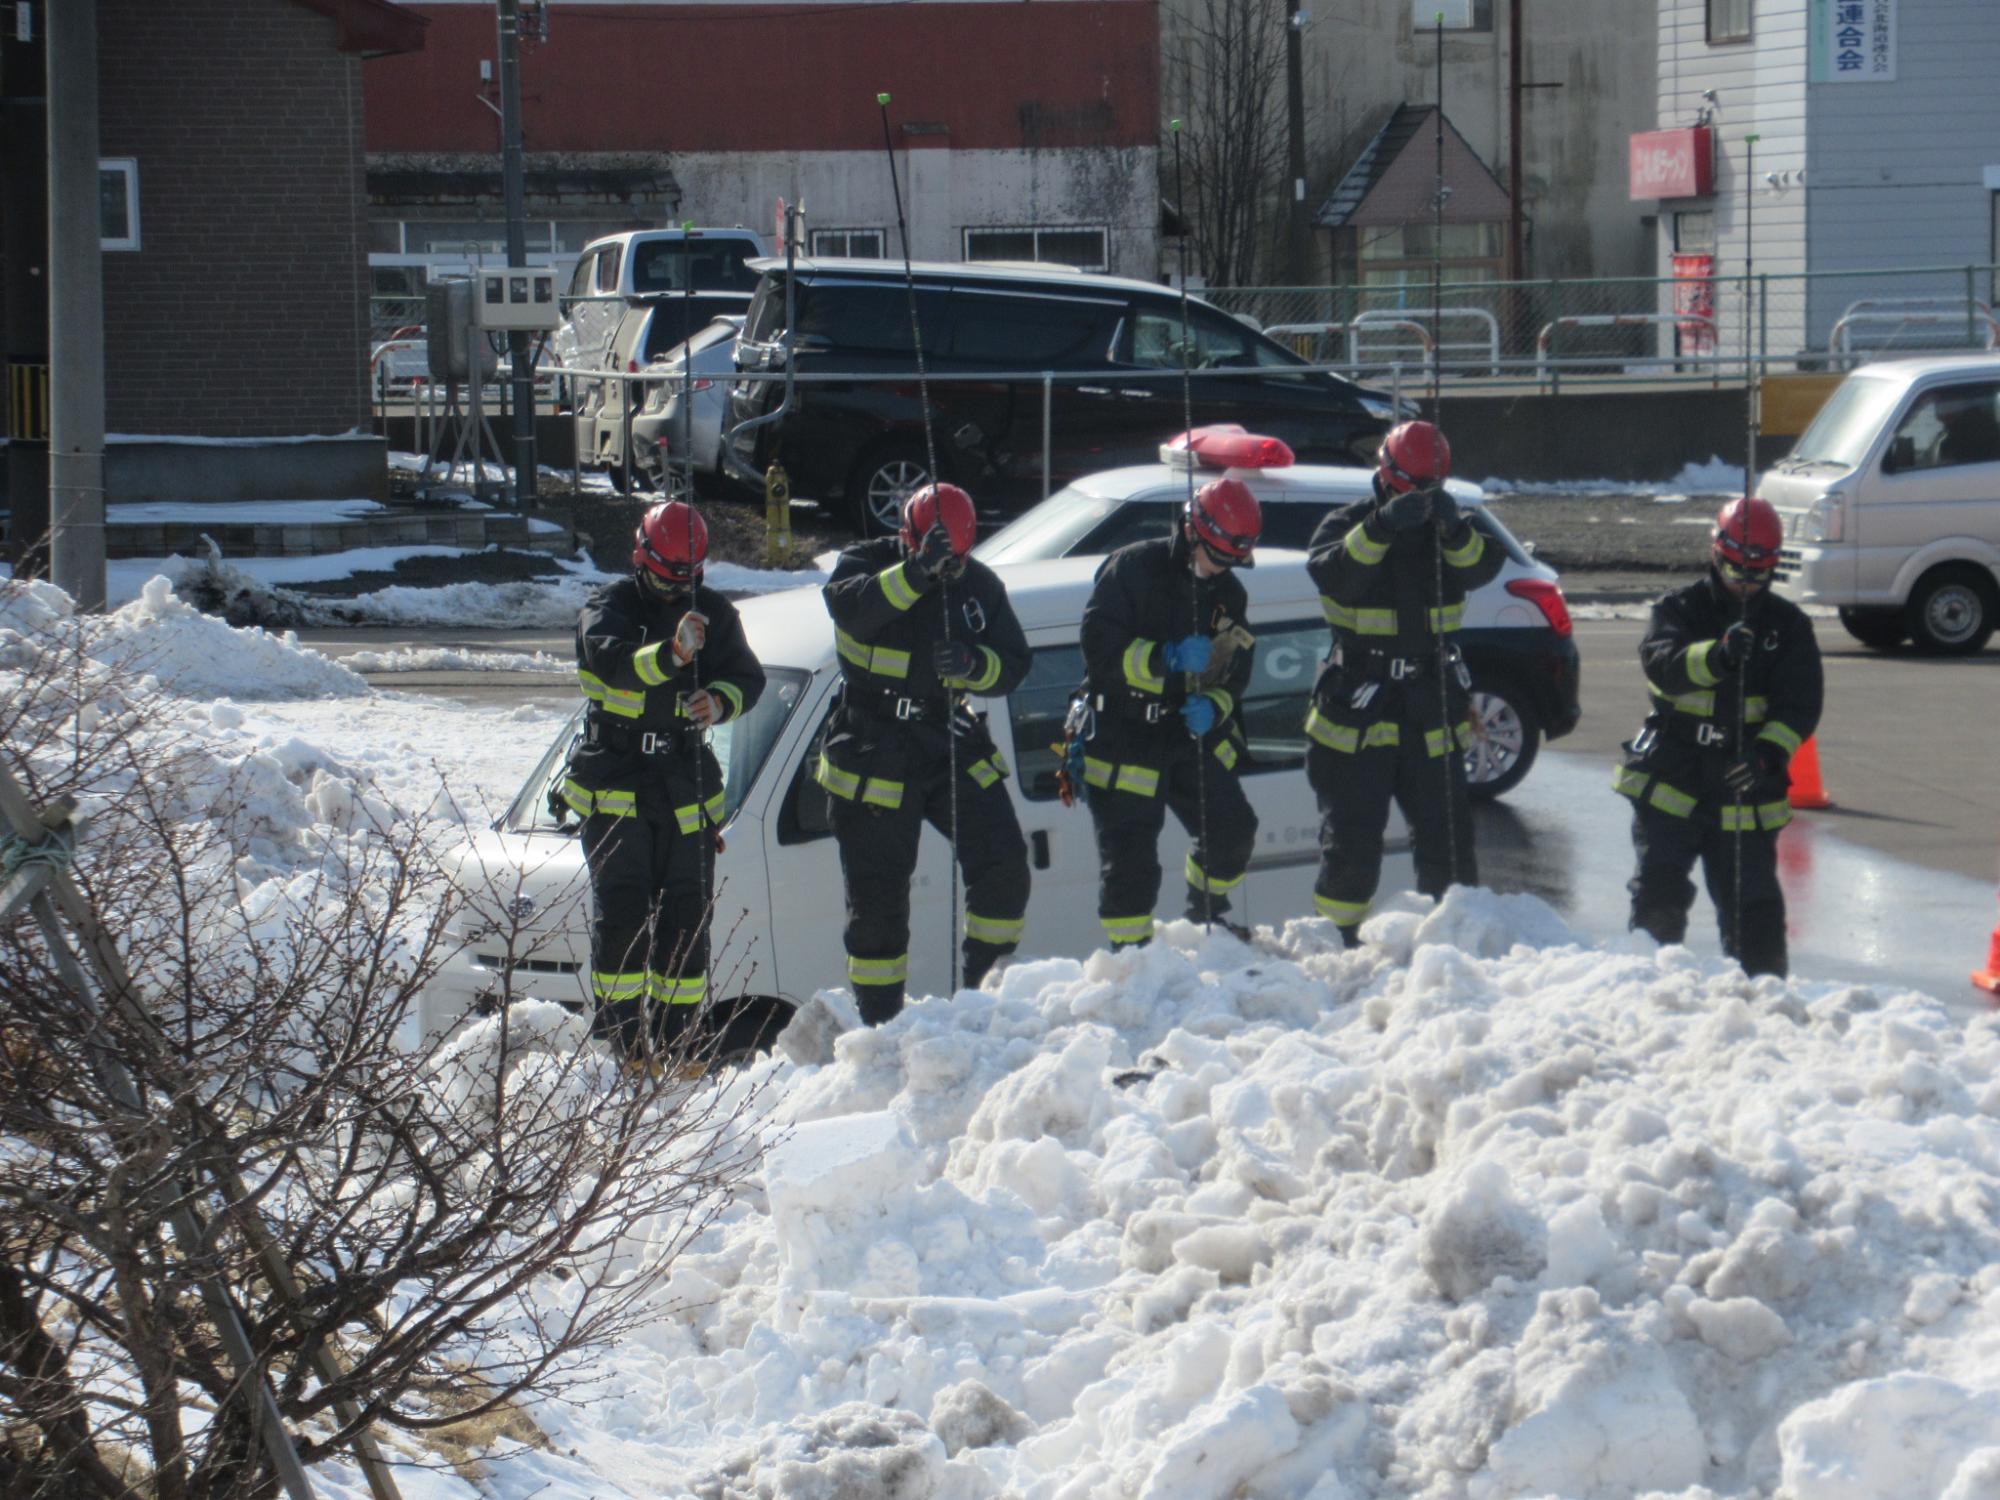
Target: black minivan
1114 345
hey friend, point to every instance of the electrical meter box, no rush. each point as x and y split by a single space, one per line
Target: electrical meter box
452 339
517 297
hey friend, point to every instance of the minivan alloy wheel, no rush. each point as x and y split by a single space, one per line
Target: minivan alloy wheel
886 482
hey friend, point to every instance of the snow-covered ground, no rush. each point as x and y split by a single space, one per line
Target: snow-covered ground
1713 479
1481 1211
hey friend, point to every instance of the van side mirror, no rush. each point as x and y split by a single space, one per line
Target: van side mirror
1902 454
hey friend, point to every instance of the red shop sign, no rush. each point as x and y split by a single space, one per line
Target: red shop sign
1673 163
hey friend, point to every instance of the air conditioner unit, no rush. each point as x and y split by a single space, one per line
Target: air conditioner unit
516 297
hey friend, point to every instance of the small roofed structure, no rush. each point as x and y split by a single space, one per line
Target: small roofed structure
1383 214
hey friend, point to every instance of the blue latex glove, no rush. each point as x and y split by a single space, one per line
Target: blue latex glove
1199 712
1188 654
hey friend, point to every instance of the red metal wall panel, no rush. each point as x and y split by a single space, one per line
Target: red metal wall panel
773 78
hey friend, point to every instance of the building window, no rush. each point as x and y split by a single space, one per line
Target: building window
118 202
1729 20
1694 232
865 244
1401 255
1088 249
1459 15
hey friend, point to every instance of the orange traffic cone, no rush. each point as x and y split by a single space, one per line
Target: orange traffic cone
1807 791
1988 978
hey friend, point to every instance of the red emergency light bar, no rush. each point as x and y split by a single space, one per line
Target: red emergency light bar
1225 445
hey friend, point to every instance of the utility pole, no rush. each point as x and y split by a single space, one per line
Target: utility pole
24 254
1299 242
514 191
76 308
1516 261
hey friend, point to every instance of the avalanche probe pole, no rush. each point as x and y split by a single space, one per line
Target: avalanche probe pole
1749 484
1194 578
930 459
1449 748
704 831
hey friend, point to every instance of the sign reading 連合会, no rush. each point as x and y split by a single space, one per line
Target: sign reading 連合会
1852 41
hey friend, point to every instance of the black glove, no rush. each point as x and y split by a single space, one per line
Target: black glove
1759 775
931 559
954 661
1734 648
1406 512
1445 510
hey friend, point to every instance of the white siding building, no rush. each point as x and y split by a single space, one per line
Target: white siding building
1877 147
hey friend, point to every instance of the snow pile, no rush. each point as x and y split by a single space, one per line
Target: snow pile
1474 1211
458 659
1693 482
158 635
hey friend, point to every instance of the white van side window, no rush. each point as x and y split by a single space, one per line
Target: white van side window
1949 427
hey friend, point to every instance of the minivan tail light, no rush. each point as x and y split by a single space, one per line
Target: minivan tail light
631 367
1546 597
701 385
1225 445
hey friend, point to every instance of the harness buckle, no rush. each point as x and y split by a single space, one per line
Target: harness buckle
1155 712
647 742
1710 734
1401 667
908 708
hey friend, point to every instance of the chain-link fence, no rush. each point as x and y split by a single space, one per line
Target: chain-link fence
1706 327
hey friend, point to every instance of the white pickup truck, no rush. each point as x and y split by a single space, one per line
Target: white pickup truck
1891 504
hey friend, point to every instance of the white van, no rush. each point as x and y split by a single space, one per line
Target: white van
779 901
650 263
1891 504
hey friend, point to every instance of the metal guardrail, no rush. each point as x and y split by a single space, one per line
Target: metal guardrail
1545 340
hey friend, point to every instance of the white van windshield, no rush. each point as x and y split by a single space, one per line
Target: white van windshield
1051 529
741 745
1849 423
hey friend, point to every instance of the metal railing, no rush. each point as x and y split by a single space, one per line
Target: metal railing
1710 328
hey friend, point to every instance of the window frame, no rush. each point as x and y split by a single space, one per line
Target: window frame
128 168
820 236
1036 231
1722 38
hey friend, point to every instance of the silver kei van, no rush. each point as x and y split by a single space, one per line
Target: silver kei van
1891 504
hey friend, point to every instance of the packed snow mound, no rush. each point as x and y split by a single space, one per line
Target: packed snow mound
1472 1212
160 636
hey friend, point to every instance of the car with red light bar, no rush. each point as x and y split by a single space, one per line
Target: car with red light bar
1517 638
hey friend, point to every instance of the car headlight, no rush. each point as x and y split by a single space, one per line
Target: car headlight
1375 406
1825 520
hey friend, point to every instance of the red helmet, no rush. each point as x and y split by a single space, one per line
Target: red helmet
671 544
1747 536
940 502
1225 517
1413 456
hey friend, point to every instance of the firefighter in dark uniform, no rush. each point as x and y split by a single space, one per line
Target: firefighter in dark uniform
918 625
1166 656
662 660
1389 712
1734 673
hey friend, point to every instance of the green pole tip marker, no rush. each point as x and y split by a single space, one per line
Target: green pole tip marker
883 100
687 226
1174 125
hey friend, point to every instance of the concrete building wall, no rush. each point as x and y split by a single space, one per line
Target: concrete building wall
1904 173
251 200
1760 89
945 192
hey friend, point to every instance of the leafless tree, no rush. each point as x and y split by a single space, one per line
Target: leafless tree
414 1231
1226 58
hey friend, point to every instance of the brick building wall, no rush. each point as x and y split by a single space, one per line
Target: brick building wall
244 311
